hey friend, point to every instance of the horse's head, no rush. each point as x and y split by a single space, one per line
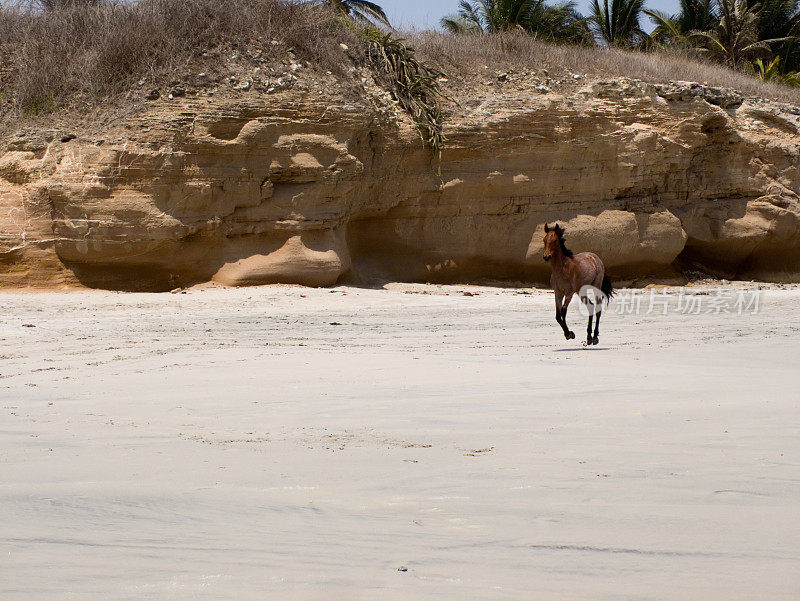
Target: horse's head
552 240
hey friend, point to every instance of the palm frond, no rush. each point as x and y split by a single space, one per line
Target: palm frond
362 11
617 23
667 30
414 84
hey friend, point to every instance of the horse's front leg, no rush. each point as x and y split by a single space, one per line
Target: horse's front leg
559 312
568 334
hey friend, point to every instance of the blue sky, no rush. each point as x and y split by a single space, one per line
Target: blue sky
425 14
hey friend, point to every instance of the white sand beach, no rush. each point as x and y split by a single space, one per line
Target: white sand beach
406 443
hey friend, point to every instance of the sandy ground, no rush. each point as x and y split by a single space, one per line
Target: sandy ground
411 443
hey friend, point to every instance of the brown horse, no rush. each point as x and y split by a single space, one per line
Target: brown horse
581 274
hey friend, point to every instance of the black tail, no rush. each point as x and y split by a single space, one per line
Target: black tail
607 288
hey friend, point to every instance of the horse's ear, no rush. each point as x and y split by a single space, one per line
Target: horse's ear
546 228
558 229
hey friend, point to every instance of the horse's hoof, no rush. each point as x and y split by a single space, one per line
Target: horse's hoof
595 340
589 341
569 335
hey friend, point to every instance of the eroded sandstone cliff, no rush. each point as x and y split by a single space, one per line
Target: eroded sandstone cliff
302 186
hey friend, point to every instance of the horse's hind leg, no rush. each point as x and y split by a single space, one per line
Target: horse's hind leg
595 340
589 339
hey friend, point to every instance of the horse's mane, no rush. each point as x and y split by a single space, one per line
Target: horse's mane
565 251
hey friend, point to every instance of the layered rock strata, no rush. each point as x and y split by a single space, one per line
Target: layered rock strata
302 187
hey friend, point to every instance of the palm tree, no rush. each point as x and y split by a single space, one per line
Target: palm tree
468 19
694 15
769 72
776 18
735 37
618 24
781 19
772 72
488 16
667 31
558 23
362 11
697 15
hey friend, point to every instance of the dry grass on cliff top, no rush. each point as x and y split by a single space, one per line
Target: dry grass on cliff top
86 56
77 55
467 55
